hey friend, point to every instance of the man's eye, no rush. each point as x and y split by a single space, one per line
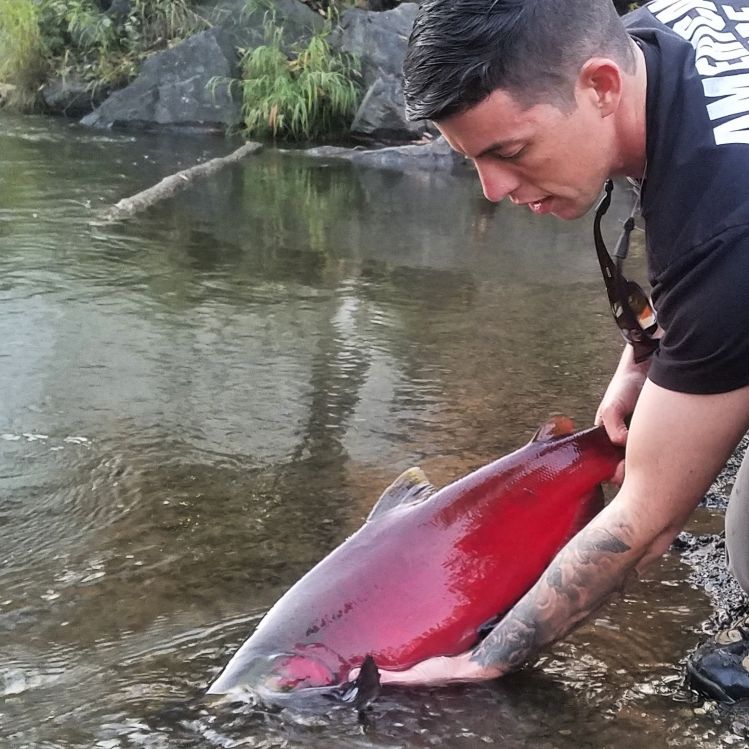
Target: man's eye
510 155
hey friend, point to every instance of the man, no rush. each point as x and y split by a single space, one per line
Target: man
549 99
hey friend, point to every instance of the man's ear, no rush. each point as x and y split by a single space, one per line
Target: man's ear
600 79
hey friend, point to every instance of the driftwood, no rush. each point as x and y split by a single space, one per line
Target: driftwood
174 183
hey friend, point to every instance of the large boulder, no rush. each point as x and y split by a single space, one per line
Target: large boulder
188 85
247 27
177 88
381 115
379 42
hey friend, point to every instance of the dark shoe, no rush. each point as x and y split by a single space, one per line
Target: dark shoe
720 667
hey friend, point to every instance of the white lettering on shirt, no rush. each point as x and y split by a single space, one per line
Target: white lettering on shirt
718 34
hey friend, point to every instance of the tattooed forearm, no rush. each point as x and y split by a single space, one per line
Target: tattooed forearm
583 574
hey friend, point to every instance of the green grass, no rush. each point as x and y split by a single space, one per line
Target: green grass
41 38
22 51
311 92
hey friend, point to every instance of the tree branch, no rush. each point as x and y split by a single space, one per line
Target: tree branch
174 183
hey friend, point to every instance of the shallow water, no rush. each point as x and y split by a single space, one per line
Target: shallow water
199 403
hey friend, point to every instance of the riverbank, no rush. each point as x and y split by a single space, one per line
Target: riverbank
273 69
706 554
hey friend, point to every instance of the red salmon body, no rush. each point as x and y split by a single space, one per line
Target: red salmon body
429 568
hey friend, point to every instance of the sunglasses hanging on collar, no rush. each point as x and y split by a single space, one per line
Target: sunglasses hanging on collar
629 304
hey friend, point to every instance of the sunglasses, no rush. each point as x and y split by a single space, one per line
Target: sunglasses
629 304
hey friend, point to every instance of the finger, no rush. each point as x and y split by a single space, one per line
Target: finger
398 677
615 427
618 433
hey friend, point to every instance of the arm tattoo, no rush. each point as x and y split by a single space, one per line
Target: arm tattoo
582 575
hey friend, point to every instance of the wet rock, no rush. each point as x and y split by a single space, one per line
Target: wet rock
381 114
433 156
71 96
246 28
379 42
176 88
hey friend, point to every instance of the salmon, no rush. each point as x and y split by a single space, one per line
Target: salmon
429 569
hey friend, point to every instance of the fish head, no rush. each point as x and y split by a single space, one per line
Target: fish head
262 673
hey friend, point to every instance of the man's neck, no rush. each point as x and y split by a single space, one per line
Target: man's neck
633 120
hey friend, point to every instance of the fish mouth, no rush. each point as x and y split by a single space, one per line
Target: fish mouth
276 673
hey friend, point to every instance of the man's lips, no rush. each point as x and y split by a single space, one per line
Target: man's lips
540 206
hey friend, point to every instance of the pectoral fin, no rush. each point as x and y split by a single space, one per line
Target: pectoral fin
410 487
365 688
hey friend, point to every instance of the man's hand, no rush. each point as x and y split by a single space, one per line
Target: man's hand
619 402
438 671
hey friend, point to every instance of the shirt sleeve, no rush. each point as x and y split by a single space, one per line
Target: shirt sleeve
702 300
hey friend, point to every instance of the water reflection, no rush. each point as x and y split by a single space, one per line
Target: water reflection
199 403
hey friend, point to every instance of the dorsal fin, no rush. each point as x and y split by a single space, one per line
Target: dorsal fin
554 428
410 487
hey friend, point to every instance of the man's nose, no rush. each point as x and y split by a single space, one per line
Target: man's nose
497 179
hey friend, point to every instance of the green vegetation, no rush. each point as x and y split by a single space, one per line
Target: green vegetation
309 92
42 38
21 46
291 91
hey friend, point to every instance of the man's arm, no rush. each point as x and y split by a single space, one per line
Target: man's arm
677 444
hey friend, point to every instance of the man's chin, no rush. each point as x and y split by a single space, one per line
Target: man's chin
568 210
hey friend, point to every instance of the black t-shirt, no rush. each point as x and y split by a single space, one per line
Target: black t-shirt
695 200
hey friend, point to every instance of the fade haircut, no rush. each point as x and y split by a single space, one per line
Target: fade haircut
462 50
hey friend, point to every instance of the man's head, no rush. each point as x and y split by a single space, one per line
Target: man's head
462 50
526 88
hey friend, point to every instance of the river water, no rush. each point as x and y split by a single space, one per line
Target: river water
198 404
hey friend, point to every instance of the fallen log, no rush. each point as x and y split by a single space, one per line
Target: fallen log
174 183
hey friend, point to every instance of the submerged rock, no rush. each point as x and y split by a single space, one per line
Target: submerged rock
432 156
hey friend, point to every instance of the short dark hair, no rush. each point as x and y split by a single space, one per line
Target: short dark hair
462 50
